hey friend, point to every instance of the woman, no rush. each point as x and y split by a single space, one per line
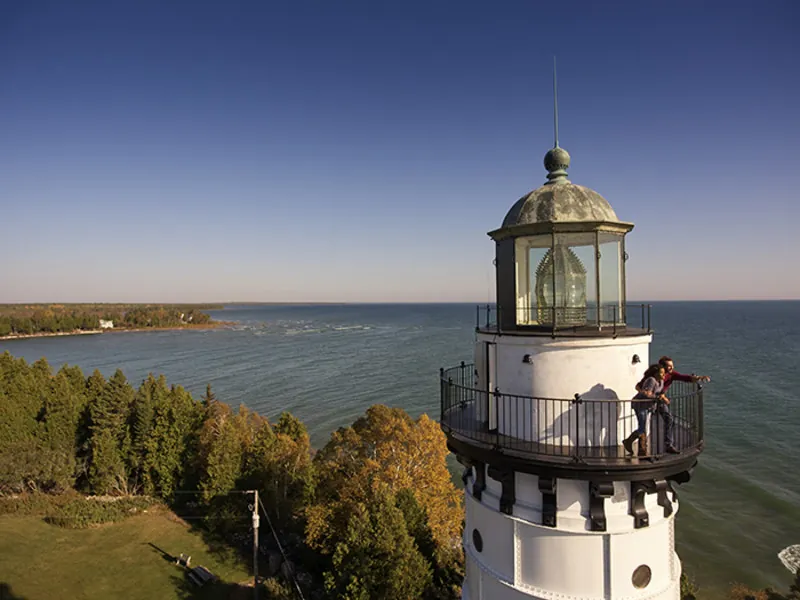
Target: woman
650 390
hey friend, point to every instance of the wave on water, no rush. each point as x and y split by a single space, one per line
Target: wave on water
790 557
295 327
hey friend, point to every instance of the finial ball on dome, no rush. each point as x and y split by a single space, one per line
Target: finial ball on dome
556 159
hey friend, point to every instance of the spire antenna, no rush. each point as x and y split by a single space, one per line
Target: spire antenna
555 102
556 161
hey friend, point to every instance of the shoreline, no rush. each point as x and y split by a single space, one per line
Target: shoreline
200 327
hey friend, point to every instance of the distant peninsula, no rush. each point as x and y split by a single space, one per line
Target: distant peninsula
35 320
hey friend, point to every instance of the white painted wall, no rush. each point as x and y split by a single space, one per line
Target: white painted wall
522 559
595 368
563 367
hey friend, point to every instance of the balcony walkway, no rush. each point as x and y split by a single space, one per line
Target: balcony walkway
576 432
462 422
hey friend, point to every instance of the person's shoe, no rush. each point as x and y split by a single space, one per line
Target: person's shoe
672 450
627 443
643 444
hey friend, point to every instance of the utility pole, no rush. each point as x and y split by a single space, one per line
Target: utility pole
255 545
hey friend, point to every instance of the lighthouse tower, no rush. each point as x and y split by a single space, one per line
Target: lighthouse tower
555 507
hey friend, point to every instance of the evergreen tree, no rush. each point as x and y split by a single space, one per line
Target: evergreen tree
23 390
41 371
292 427
375 556
18 411
281 469
107 474
58 427
416 522
93 394
77 381
151 394
110 441
19 446
142 412
174 421
220 453
448 570
209 398
95 386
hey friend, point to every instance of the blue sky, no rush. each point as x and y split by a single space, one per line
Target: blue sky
360 151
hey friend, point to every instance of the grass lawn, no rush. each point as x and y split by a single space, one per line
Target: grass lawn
120 560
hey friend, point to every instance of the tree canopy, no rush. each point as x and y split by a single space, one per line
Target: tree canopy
367 475
373 515
19 319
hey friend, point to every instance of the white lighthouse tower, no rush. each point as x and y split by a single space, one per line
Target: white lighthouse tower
556 508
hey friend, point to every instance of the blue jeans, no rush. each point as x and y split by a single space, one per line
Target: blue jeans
669 423
641 417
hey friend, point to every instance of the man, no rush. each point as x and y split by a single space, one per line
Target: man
670 375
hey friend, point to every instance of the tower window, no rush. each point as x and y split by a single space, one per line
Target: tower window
641 577
477 540
570 279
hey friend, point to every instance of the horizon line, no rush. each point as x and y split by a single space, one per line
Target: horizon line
360 302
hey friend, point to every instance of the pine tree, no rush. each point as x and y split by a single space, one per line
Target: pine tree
151 394
174 422
23 392
142 411
95 386
77 381
110 441
209 399
58 428
19 408
93 394
291 426
107 474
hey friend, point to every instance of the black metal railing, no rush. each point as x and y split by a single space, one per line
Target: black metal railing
581 428
603 317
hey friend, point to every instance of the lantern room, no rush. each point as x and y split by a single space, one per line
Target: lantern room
560 258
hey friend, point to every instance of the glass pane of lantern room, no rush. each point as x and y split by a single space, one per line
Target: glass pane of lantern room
611 290
530 251
575 280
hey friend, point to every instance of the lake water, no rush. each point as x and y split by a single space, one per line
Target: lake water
328 363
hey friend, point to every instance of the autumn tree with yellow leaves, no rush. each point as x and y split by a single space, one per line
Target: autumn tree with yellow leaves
387 469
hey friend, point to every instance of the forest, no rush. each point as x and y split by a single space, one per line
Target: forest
373 514
33 319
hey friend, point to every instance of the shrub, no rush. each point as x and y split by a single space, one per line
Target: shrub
81 513
35 504
272 589
688 588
